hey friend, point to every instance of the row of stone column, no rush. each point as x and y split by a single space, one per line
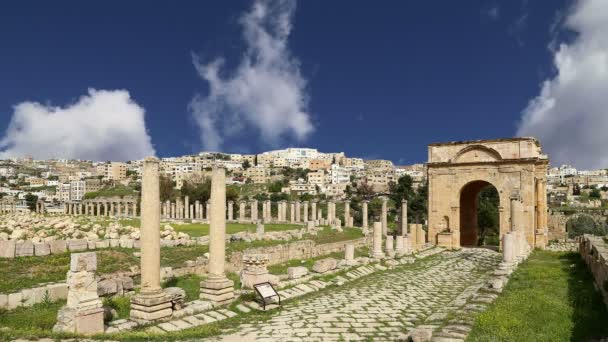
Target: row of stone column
151 303
40 207
123 209
6 207
398 245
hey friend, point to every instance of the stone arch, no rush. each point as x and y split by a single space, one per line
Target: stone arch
468 200
476 153
516 167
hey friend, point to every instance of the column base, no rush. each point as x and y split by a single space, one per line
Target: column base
219 291
151 307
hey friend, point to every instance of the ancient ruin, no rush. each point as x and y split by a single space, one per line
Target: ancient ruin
457 171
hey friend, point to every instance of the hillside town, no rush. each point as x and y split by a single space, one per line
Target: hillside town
297 171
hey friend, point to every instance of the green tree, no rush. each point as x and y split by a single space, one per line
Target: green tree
30 201
584 224
246 164
166 188
417 206
232 193
197 191
595 194
487 216
275 186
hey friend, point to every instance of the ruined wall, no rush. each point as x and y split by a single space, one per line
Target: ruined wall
594 251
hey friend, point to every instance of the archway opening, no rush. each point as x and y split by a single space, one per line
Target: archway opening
479 217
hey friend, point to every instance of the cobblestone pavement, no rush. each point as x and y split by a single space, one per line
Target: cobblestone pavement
382 306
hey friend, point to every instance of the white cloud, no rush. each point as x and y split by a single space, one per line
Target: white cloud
266 92
570 116
103 125
493 12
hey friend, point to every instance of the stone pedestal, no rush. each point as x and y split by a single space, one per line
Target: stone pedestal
255 271
83 313
444 239
259 228
508 247
390 250
399 246
349 254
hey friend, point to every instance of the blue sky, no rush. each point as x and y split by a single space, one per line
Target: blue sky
375 80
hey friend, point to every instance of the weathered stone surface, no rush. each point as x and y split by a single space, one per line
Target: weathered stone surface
78 245
83 262
421 334
25 248
107 287
324 265
58 246
7 249
42 249
296 272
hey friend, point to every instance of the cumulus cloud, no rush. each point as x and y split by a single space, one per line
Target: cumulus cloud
265 93
102 125
570 115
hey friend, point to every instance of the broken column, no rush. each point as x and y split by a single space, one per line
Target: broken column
377 241
217 288
400 245
390 250
255 270
151 303
259 228
349 254
230 210
83 313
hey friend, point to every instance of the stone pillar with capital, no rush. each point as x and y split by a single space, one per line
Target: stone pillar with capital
217 288
151 303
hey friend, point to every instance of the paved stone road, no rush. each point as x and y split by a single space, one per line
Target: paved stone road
381 306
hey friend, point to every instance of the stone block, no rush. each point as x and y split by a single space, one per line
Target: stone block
78 245
324 265
25 248
114 243
57 291
102 244
7 249
127 283
91 245
14 300
3 301
83 262
296 272
126 243
106 287
42 249
58 246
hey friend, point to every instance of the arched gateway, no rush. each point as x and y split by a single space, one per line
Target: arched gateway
457 171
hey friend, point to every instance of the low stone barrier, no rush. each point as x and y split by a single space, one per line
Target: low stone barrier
123 282
304 249
594 251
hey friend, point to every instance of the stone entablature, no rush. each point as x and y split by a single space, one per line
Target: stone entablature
457 171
